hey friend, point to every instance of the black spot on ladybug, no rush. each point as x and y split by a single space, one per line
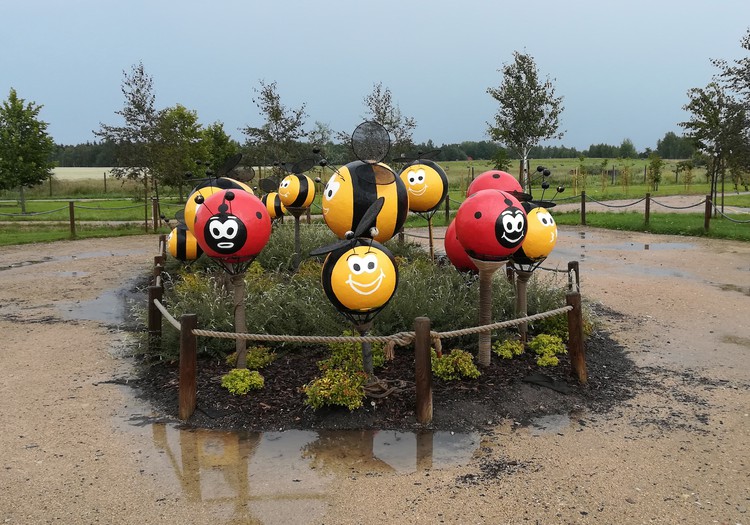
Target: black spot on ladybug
478 215
259 214
495 175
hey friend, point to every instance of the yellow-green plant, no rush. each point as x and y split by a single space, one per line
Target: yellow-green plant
348 356
546 347
457 364
336 387
507 348
240 381
257 357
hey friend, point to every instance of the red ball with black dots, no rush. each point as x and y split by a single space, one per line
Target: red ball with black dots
494 180
491 225
233 226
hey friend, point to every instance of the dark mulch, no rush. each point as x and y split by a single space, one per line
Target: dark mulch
502 392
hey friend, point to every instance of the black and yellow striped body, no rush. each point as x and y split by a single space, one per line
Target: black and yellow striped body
353 188
297 191
182 245
273 204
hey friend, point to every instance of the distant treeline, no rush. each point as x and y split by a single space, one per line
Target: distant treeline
103 154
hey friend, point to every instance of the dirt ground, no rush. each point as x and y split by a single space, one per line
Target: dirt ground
77 446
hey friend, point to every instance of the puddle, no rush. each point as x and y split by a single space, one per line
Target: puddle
112 307
549 424
285 477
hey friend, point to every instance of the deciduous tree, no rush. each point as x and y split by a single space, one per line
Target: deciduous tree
134 139
529 112
380 107
277 139
25 146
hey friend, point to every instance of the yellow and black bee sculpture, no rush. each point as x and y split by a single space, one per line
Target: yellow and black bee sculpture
353 188
182 244
275 207
297 191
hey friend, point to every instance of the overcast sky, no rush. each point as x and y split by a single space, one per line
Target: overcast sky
622 68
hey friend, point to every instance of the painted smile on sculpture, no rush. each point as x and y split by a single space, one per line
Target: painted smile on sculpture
366 288
418 193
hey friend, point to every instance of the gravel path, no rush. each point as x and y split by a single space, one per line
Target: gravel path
78 448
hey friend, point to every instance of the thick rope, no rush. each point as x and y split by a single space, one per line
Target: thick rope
174 322
614 205
716 208
679 207
33 213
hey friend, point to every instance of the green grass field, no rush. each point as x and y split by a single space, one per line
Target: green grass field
123 201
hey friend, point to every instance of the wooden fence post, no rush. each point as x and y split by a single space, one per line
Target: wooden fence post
575 338
423 370
648 208
188 366
155 212
583 208
154 317
72 213
447 208
707 214
574 271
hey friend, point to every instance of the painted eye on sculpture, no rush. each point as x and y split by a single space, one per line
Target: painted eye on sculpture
331 189
285 183
545 218
356 264
370 262
513 221
224 230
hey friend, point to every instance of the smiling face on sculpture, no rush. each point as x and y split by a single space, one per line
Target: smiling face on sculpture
360 278
297 191
426 183
540 239
491 225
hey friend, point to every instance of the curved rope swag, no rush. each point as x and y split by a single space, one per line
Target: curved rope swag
390 341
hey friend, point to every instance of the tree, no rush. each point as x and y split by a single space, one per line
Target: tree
718 125
134 139
674 147
277 138
177 146
25 146
529 112
380 107
218 146
655 165
627 150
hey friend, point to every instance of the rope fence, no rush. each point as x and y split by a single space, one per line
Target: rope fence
710 208
423 338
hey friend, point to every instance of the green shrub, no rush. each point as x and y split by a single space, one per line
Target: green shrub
457 364
336 387
348 356
239 381
257 357
507 348
546 347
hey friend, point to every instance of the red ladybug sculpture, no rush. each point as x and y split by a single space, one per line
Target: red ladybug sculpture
491 225
456 253
233 226
495 180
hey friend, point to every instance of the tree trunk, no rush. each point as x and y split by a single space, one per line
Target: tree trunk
240 323
22 199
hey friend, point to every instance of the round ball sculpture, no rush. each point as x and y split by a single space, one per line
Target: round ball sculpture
456 253
353 188
273 204
426 184
494 180
541 237
232 226
297 191
182 244
360 278
203 191
491 225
